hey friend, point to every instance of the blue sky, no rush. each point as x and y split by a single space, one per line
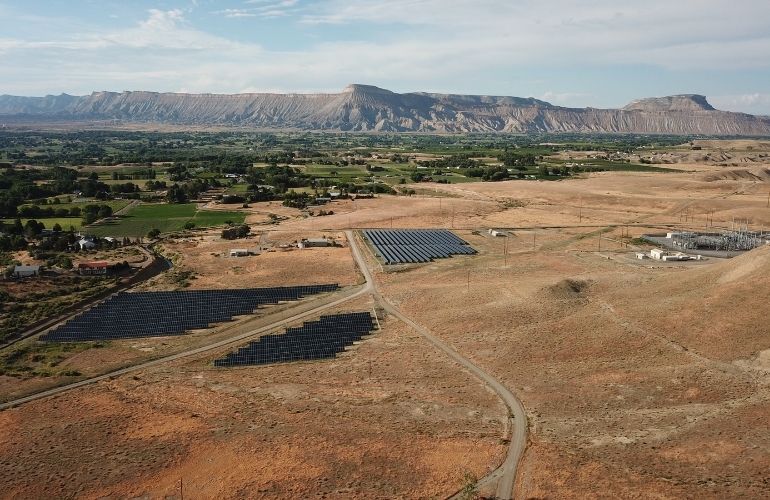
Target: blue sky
600 53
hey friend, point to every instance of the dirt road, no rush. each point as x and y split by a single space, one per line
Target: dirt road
505 475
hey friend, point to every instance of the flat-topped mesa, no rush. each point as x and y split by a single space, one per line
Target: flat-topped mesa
368 108
365 89
683 102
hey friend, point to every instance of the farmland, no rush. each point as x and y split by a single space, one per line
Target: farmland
139 220
64 222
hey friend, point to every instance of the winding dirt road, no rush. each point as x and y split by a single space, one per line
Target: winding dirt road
505 475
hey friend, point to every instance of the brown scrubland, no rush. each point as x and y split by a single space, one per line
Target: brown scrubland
640 379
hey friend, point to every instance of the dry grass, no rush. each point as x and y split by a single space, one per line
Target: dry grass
639 380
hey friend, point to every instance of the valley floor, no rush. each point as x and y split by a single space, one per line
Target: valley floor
640 380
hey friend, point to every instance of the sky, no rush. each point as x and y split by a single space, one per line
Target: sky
599 53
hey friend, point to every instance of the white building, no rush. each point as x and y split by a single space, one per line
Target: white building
660 254
86 244
239 252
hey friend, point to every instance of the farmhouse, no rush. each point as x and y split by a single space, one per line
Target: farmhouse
85 244
93 268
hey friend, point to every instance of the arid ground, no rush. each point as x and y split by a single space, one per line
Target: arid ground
640 379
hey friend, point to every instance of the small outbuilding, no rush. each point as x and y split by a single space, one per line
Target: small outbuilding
239 252
315 243
26 271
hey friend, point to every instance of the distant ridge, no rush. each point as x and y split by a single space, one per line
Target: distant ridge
369 108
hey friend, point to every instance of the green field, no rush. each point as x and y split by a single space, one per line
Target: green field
143 218
238 189
114 204
64 222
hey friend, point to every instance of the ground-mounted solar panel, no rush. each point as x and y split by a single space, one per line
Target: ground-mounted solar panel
406 246
320 339
160 314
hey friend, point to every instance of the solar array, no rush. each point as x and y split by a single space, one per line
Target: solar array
158 314
401 246
313 340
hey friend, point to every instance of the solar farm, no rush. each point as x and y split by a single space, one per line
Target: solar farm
158 314
320 339
407 246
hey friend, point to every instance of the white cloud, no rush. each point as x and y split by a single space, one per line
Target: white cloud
235 13
262 8
659 32
756 103
161 30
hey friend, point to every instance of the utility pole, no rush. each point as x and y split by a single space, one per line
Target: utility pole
600 241
534 240
469 280
181 489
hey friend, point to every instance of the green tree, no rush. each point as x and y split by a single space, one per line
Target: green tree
105 211
64 262
90 218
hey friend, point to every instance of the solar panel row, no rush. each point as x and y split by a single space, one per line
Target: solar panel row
320 339
400 246
157 314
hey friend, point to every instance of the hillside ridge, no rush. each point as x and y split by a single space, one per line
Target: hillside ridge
364 108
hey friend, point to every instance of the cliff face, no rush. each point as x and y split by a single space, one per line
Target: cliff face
367 108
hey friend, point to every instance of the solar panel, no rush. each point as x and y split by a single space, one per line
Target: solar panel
159 314
320 339
402 246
